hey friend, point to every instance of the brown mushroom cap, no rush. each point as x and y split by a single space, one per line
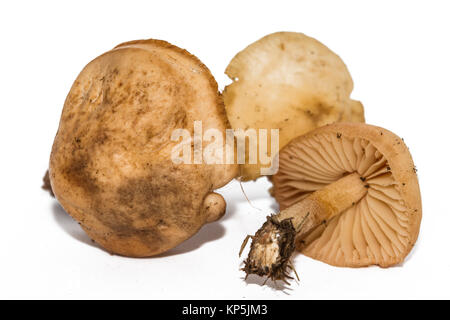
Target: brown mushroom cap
383 226
111 167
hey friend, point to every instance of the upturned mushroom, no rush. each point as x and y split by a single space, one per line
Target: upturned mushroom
348 195
110 166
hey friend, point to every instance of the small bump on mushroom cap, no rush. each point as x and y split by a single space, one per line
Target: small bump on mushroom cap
214 206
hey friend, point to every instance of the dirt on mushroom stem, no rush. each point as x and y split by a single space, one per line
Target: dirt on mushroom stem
274 243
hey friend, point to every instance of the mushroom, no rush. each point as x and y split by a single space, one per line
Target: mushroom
348 195
111 164
291 82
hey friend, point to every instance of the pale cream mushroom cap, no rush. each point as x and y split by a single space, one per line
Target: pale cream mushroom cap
291 82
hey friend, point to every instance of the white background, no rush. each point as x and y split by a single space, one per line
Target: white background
397 52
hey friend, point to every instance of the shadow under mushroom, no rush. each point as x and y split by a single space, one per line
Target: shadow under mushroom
207 233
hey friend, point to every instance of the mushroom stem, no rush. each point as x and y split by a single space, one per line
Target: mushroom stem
324 204
273 244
